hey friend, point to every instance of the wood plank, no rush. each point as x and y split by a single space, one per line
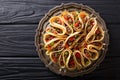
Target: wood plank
18 40
23 11
33 68
54 2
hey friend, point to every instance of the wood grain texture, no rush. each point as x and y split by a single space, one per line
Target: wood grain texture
18 22
32 68
18 40
31 11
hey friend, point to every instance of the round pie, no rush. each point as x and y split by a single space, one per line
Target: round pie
72 39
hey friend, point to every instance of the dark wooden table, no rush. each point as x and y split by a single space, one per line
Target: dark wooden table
18 22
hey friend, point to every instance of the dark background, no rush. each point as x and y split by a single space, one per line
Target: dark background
18 22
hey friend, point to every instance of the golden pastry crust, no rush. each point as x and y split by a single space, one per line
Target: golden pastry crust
73 39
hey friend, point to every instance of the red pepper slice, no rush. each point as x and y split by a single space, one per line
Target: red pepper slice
72 38
82 14
66 46
47 40
77 24
92 23
49 47
72 62
66 17
54 32
59 21
77 55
